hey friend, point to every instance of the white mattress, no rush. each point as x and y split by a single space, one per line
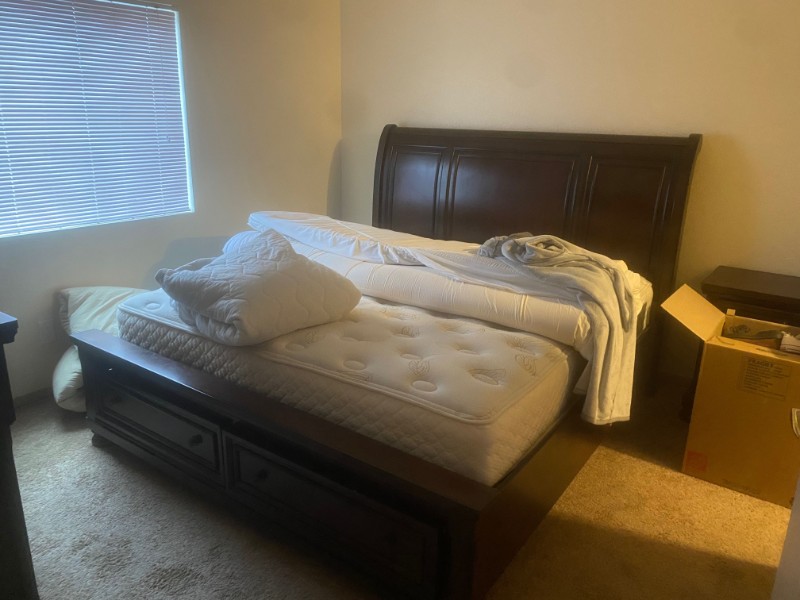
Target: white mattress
458 392
610 295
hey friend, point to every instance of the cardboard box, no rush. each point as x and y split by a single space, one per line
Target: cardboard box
745 427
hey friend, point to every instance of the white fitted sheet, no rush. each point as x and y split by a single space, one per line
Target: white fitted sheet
461 393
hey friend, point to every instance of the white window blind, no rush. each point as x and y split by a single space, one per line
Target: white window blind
92 126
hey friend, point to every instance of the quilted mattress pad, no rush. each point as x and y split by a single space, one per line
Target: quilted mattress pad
458 392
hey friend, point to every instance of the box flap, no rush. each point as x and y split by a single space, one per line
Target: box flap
696 313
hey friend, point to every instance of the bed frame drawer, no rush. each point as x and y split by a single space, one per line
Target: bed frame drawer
401 548
183 439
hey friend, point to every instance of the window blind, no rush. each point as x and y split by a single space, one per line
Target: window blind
92 125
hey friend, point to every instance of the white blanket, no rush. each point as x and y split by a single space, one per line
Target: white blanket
603 287
355 240
257 291
605 294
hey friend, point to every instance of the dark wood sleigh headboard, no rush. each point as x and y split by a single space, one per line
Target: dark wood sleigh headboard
620 195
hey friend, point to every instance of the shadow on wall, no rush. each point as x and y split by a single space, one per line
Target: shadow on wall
334 204
357 154
722 213
179 252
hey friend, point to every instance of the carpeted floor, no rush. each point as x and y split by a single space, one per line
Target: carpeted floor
104 526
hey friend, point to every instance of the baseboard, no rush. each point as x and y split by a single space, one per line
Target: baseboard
37 396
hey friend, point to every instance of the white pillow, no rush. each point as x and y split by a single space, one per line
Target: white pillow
68 381
82 308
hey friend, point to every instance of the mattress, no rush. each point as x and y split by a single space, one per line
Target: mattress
467 395
419 286
613 298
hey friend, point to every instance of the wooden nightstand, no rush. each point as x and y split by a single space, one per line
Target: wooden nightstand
755 294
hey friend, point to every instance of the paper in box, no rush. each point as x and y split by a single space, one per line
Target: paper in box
745 430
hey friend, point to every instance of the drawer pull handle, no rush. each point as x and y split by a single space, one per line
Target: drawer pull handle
262 475
196 440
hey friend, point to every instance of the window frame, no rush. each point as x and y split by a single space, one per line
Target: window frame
108 136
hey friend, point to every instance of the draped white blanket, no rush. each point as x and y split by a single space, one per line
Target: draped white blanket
602 286
544 267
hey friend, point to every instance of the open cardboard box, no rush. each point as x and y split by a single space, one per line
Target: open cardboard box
745 427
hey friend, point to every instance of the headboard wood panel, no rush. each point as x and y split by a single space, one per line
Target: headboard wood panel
623 196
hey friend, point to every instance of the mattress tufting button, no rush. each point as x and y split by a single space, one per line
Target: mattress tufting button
490 376
356 365
424 386
410 332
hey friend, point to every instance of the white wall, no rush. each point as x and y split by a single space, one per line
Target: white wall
787 579
263 95
723 68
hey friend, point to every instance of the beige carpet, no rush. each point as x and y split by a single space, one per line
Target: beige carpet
631 526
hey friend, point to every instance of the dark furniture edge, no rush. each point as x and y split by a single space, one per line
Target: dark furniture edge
767 290
8 328
16 563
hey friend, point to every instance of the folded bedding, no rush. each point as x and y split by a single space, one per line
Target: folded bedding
256 292
608 293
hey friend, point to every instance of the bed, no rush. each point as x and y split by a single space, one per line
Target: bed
420 529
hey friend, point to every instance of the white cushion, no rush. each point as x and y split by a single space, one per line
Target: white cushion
80 309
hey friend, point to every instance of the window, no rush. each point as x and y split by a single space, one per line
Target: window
92 124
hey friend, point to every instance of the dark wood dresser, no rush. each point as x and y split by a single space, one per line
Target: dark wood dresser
17 581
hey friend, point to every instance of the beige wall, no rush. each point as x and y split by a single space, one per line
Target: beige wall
264 108
723 68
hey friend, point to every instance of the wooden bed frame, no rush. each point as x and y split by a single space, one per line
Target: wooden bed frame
421 530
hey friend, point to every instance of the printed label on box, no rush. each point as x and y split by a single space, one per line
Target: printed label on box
765 377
